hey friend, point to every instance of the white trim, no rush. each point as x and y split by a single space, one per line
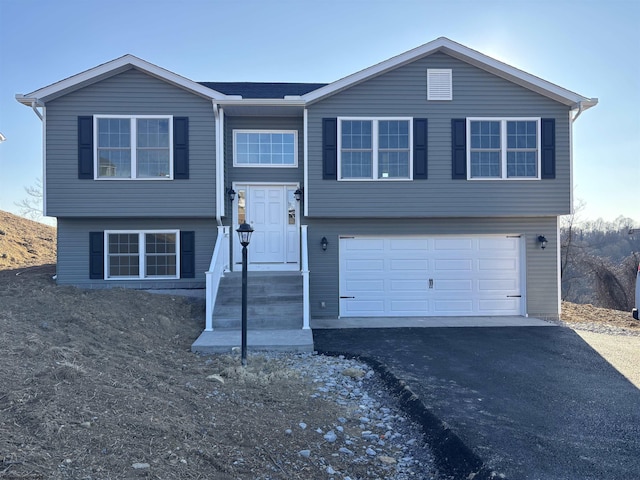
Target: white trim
111 68
558 269
503 146
141 254
305 153
465 54
265 165
439 84
375 149
133 146
44 161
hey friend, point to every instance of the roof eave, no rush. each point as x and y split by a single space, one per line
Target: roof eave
112 68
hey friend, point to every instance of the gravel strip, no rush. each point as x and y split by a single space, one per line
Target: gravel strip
374 432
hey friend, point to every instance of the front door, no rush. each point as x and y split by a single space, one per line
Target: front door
272 212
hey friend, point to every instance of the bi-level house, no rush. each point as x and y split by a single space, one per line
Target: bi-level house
427 185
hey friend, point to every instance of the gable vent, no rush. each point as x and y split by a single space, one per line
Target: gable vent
439 84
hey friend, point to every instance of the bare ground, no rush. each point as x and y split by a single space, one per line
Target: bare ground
95 383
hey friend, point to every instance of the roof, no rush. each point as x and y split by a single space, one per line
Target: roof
302 94
263 89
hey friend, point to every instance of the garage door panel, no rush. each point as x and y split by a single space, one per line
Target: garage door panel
391 276
497 306
460 286
365 265
495 264
450 243
408 307
452 264
373 286
453 307
498 284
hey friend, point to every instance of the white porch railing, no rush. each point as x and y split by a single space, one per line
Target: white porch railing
304 254
219 265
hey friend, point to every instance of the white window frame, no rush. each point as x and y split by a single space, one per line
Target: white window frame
266 165
133 146
375 149
503 147
141 254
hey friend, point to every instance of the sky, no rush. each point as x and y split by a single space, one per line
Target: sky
591 47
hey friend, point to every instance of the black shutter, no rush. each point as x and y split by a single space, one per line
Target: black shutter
181 148
330 148
187 254
96 255
459 149
420 149
548 141
85 148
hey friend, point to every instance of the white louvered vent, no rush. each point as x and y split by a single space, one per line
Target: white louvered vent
439 84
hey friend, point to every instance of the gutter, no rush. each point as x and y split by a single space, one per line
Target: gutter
583 105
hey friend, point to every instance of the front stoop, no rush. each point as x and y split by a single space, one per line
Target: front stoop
223 341
274 315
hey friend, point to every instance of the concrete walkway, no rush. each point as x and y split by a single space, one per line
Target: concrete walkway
531 403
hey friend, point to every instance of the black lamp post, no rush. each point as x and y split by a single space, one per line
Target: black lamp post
244 233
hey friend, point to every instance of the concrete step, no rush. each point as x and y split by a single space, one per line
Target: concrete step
226 341
274 301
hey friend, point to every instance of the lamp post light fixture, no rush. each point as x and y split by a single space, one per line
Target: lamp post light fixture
298 194
244 234
543 241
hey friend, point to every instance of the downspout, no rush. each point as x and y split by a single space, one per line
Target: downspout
35 104
219 164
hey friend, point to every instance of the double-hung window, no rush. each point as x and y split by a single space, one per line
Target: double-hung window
375 148
262 148
503 148
138 255
134 147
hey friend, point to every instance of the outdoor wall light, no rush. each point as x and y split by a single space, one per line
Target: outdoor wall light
298 194
232 194
543 241
325 243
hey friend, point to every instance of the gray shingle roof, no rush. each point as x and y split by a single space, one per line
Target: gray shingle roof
262 89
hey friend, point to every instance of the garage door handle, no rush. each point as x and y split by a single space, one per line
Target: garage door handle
347 297
514 296
431 283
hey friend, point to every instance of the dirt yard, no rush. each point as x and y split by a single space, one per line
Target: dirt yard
102 385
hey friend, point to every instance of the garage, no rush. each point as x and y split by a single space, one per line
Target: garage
407 276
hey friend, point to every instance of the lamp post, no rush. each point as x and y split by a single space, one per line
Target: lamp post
244 233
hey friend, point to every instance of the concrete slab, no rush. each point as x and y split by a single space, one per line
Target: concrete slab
223 341
429 322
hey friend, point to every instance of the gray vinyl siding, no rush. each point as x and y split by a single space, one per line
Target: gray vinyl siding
541 284
73 250
129 93
476 93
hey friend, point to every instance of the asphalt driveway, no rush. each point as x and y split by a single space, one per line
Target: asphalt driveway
528 402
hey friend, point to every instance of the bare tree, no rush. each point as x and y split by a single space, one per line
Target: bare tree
31 206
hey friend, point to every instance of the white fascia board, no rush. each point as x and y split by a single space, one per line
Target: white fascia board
112 67
465 54
263 102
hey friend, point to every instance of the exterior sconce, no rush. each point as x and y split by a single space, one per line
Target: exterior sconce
543 241
231 194
325 243
298 194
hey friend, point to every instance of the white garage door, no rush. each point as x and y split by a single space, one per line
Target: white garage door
430 276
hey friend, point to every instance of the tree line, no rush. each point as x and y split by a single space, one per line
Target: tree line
599 260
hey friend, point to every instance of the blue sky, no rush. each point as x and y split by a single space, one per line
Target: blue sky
589 47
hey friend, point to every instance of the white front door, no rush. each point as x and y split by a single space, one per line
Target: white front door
272 212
